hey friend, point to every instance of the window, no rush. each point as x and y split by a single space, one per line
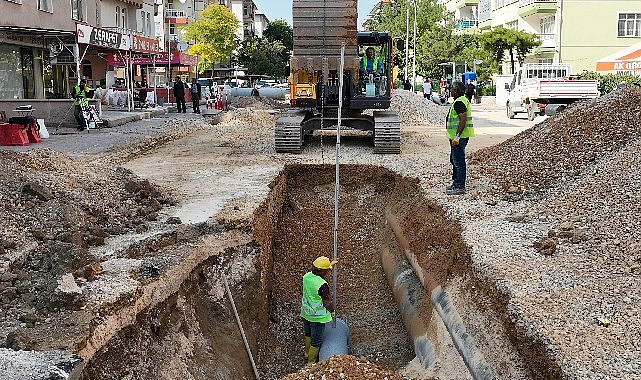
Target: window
170 4
45 5
629 25
222 2
117 16
547 28
143 23
78 10
123 17
150 31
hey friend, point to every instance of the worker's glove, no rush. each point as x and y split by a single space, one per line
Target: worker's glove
456 139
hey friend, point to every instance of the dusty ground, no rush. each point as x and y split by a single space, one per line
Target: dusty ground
58 212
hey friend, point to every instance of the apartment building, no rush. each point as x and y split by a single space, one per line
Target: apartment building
578 32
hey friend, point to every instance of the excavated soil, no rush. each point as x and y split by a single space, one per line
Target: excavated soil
105 275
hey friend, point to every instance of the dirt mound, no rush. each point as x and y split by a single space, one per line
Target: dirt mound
52 210
564 145
344 367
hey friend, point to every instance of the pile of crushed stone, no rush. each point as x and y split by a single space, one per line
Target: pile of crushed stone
260 103
52 210
564 145
414 109
344 367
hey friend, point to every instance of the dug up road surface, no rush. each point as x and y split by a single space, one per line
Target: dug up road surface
126 251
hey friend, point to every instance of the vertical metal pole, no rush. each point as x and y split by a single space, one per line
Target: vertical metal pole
337 184
407 40
76 53
414 50
155 79
168 64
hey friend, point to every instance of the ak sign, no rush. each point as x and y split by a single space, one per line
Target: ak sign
91 35
144 44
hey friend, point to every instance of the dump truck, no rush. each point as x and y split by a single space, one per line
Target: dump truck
546 88
320 29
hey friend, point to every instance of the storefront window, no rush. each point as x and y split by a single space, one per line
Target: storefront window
10 72
28 83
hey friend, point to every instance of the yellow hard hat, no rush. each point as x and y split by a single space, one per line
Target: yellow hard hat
323 262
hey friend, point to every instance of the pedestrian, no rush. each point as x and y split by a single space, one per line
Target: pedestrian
407 85
459 129
179 93
470 90
427 89
196 95
80 95
316 306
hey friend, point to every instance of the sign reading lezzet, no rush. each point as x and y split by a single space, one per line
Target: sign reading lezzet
91 35
144 44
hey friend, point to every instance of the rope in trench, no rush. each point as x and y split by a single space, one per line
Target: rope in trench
240 326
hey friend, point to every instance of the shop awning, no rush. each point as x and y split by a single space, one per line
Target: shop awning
628 59
177 58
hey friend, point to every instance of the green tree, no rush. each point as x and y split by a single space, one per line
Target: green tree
280 30
501 40
263 57
435 41
215 35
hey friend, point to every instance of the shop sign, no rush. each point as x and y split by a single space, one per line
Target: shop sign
22 39
177 58
144 44
91 35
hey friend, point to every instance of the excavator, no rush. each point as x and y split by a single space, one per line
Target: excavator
321 28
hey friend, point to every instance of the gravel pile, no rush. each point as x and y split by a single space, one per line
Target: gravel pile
562 146
344 367
414 109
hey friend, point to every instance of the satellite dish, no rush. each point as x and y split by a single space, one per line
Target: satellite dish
182 46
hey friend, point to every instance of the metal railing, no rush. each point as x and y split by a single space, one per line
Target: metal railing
175 13
524 3
465 24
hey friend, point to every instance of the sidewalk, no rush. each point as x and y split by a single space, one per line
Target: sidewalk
113 117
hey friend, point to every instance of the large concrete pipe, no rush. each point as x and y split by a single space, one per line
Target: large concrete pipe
335 340
273 92
463 341
408 293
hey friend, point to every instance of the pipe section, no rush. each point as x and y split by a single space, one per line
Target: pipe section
408 293
335 338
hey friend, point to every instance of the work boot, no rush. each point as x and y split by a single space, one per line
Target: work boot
455 191
312 355
308 344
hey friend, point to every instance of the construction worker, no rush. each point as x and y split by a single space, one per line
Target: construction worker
459 128
317 307
371 64
80 95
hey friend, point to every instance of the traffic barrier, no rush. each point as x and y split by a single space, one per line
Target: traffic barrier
33 134
13 134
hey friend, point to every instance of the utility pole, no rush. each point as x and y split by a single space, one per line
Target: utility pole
414 51
407 40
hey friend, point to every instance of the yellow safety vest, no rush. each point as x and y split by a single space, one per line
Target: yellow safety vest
453 120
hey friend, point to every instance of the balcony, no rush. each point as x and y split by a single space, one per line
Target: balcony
466 27
528 8
175 16
466 3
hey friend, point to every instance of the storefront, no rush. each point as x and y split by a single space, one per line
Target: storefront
21 65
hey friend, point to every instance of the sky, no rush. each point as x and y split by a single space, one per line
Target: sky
282 9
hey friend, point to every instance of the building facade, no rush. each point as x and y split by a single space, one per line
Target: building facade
577 32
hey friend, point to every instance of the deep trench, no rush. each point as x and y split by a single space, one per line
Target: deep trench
193 333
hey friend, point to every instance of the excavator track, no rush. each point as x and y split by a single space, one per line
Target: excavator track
288 134
387 132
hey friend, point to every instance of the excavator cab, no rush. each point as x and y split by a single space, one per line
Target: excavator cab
374 83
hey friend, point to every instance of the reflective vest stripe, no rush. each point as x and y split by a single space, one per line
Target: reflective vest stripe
453 120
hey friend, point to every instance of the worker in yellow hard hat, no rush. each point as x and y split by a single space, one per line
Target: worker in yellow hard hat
316 307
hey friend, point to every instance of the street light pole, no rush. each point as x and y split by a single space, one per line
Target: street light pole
407 40
414 51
